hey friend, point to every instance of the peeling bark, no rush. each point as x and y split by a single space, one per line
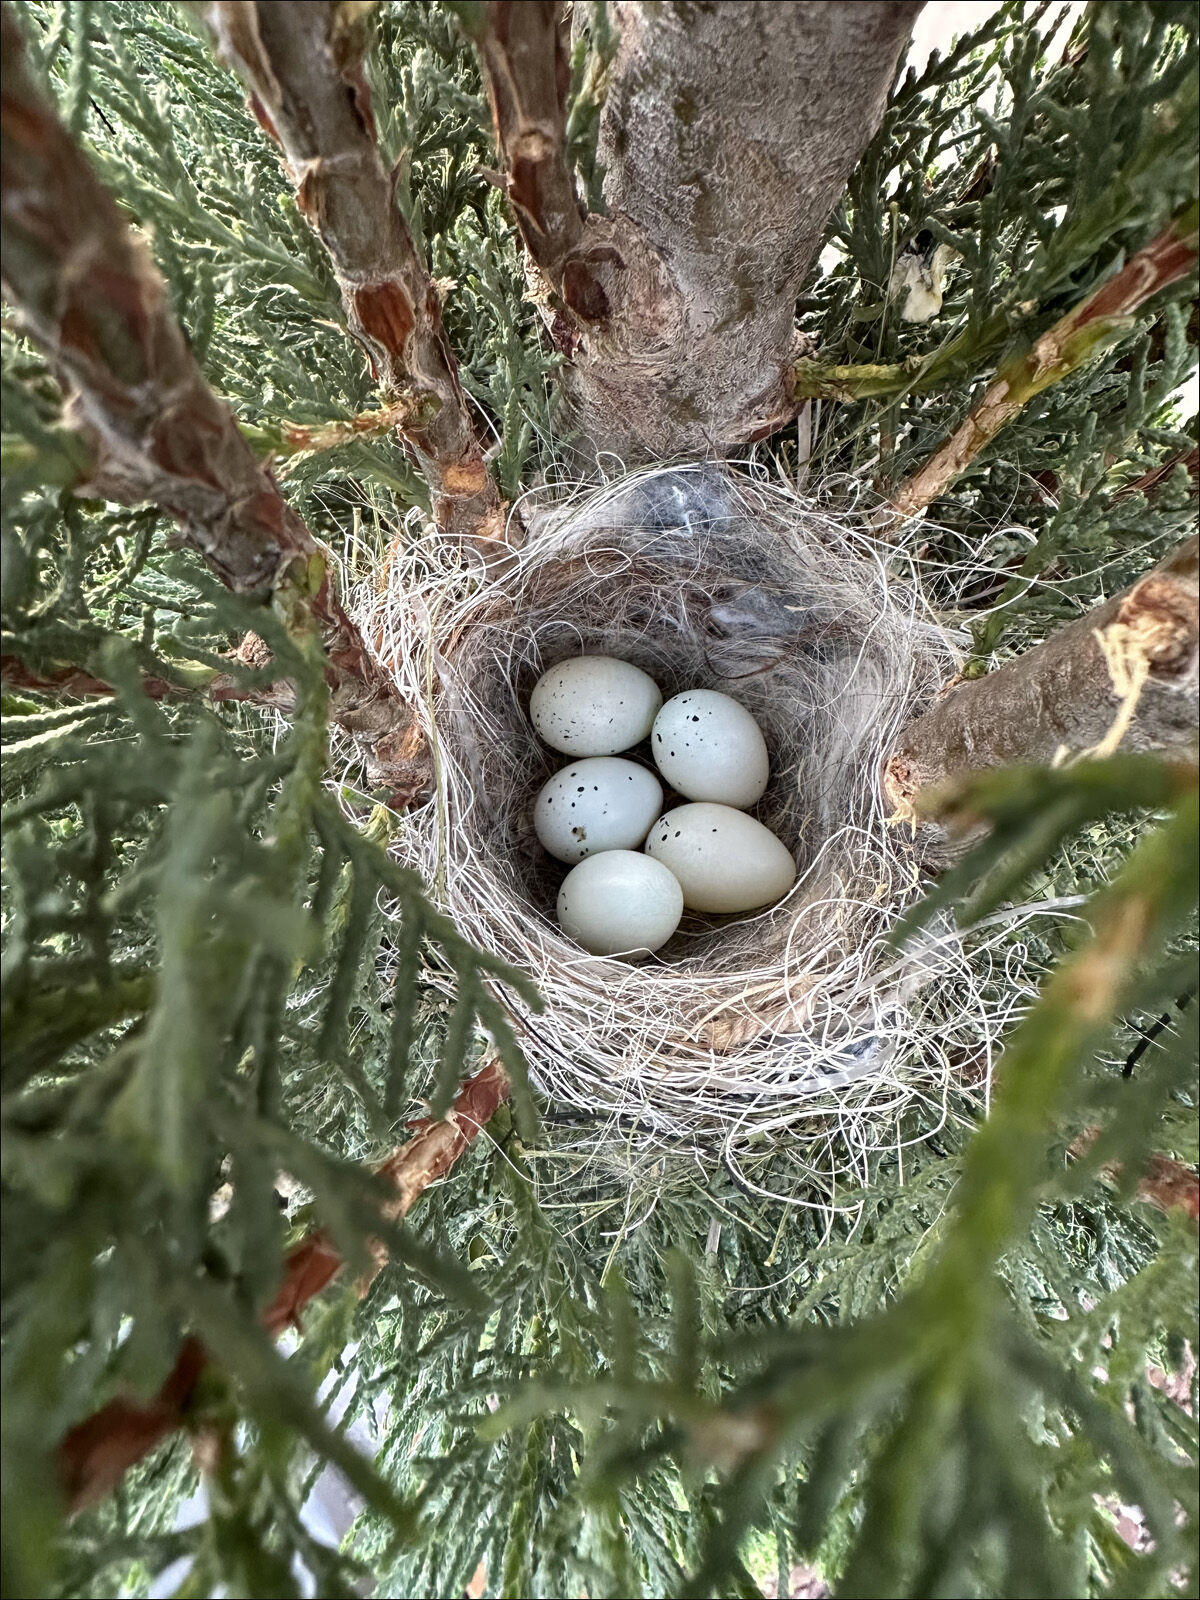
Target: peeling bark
302 64
1166 1184
528 74
66 682
727 137
1128 668
89 295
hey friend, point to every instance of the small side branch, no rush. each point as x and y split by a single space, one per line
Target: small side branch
97 1453
1166 1184
302 65
821 380
528 74
89 295
64 681
1073 341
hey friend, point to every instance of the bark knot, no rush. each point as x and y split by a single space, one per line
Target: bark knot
1160 620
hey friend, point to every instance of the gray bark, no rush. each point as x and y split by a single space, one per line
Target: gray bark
728 134
1061 696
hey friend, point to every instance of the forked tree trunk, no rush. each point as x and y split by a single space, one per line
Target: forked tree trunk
727 136
1126 673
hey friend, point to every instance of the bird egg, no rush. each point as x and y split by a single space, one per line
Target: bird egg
709 747
723 859
620 903
594 705
602 803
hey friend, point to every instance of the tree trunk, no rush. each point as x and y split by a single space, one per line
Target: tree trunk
1125 673
727 137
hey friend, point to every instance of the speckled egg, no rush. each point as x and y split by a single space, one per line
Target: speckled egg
602 803
620 903
594 705
724 860
709 747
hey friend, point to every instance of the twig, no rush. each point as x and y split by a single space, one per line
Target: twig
65 681
296 438
528 75
92 299
1150 1034
302 65
818 380
96 1454
1189 460
1073 341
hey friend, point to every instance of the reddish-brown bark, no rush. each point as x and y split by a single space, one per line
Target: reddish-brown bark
90 296
528 74
302 64
1166 1184
97 1453
73 683
65 682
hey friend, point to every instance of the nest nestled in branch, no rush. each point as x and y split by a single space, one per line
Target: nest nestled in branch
743 1031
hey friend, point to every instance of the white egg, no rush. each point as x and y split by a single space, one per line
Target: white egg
594 705
619 902
710 748
725 860
602 803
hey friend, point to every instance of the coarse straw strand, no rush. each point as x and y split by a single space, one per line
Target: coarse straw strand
794 1026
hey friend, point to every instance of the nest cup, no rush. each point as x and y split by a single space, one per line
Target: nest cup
741 1029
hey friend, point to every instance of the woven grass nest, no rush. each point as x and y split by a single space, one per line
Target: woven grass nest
797 1024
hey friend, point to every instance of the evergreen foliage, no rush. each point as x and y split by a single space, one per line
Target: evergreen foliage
213 973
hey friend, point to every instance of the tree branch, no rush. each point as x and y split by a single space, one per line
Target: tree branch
1079 337
97 1453
1166 1184
1127 669
65 681
302 64
90 296
528 74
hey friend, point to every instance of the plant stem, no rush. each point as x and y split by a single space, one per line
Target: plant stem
1079 337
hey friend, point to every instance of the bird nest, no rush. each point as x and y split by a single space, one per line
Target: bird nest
800 1023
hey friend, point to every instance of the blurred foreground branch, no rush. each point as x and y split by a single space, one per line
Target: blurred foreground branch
97 1453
